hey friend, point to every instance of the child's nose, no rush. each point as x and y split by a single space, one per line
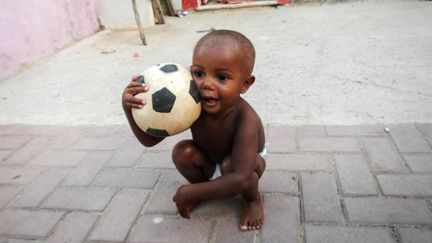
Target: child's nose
208 84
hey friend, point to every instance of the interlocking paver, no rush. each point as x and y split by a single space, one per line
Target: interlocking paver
108 228
18 175
79 198
419 162
156 159
355 175
412 235
329 144
279 181
28 223
340 234
33 194
298 162
406 185
171 229
161 201
74 228
58 158
127 178
388 211
26 152
127 156
81 192
320 196
85 172
350 130
13 141
408 139
228 231
282 219
281 138
383 155
7 193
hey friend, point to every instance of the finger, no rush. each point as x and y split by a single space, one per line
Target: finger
134 100
135 90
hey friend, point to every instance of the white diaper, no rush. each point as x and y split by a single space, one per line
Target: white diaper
217 173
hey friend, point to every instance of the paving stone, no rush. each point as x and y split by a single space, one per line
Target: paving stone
340 234
7 193
426 131
220 208
43 130
310 130
280 138
28 223
58 158
328 144
5 240
63 142
85 172
169 142
170 229
127 156
33 194
408 139
125 177
298 162
383 155
412 235
79 198
388 211
108 227
279 181
4 154
98 143
21 175
406 185
27 151
228 231
13 141
156 159
161 201
321 200
10 128
282 219
74 228
355 175
350 130
419 162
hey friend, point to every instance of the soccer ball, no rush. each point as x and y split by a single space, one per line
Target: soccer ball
172 101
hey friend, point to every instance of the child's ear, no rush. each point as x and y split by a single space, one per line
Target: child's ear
247 83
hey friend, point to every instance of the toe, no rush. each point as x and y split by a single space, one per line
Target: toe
243 227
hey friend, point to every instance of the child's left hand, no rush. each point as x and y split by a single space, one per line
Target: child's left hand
183 201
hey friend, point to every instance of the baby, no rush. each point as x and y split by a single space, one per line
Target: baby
224 158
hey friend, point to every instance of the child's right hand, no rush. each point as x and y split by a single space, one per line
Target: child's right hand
129 100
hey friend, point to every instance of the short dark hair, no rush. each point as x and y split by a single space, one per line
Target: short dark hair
239 41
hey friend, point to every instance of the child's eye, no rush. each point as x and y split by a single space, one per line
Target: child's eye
222 77
198 74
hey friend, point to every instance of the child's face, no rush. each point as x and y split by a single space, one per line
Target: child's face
219 74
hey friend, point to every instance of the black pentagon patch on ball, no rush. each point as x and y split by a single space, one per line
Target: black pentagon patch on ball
194 92
140 79
169 68
157 132
163 100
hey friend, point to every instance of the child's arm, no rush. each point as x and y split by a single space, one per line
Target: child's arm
129 101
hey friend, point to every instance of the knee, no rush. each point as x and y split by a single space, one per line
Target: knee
182 153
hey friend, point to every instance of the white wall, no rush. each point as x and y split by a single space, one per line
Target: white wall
118 14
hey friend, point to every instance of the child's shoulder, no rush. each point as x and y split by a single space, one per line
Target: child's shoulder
246 113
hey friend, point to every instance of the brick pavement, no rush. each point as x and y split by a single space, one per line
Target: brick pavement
322 184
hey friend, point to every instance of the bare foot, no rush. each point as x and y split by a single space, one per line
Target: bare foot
253 215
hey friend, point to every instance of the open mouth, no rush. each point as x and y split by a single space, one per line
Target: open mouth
209 101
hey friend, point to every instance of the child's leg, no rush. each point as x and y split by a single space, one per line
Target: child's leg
191 162
253 211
